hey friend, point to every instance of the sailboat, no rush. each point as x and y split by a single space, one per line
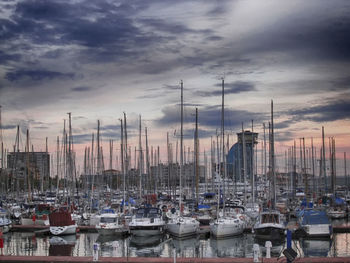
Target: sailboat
225 225
270 225
61 222
179 225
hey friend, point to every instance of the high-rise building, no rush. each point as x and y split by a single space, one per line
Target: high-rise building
38 164
235 156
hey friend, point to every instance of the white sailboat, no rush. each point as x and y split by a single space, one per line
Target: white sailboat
225 225
179 225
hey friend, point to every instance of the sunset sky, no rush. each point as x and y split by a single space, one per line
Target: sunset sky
98 59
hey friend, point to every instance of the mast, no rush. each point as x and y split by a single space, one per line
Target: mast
126 162
265 159
252 163
324 161
149 184
313 166
181 149
273 158
168 155
223 143
244 165
122 160
28 169
346 176
57 164
140 160
196 159
304 172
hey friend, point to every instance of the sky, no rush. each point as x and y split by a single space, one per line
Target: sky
100 58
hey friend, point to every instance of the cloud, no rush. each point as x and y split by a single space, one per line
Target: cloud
81 89
230 88
332 110
210 117
36 75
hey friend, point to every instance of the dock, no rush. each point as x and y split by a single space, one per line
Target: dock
37 228
46 259
204 230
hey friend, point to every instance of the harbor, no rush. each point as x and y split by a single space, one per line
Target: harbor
174 131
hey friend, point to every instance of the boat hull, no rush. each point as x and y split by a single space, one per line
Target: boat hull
269 233
38 222
143 231
63 230
319 230
182 230
225 230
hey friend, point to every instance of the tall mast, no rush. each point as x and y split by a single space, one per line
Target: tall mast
57 164
140 160
196 158
110 154
122 161
223 141
305 172
28 169
126 165
149 183
273 158
181 148
244 165
313 167
252 162
265 174
346 176
324 161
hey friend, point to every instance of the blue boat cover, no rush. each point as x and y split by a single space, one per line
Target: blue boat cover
339 201
203 206
313 217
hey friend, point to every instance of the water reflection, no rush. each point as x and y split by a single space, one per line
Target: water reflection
62 245
316 248
228 247
186 247
112 246
27 244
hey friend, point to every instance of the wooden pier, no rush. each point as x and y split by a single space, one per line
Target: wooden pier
46 259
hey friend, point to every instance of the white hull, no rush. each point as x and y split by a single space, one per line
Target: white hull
337 214
226 227
63 230
120 230
320 230
37 222
184 227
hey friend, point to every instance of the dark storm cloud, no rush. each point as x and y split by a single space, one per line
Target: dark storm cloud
230 88
325 36
6 57
332 110
175 29
36 75
81 89
210 117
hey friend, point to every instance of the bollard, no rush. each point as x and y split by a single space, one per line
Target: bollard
95 252
174 252
256 252
268 246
